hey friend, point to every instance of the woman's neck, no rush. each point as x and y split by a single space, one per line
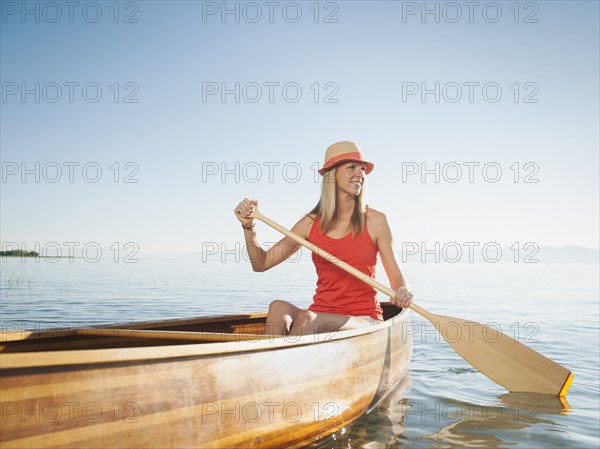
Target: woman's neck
345 207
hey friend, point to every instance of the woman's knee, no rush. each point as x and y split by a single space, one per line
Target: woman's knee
303 319
309 322
280 307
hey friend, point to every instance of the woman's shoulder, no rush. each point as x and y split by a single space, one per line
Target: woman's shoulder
375 215
377 223
308 219
304 225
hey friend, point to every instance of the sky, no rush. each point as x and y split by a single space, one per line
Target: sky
146 122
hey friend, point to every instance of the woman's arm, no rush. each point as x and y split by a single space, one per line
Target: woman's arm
382 234
260 259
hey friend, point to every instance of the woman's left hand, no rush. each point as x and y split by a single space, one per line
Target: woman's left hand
403 298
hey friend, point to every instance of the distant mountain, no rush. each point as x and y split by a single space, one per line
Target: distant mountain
528 253
568 254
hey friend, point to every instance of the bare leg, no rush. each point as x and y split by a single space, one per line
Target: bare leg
308 322
280 317
284 318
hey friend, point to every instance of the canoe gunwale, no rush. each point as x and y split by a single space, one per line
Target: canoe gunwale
14 360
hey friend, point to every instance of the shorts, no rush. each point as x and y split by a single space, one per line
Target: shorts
357 322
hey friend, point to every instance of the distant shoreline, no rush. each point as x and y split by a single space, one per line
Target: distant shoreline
39 256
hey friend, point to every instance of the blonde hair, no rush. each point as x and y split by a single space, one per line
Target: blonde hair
327 207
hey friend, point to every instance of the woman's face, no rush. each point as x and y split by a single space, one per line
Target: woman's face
351 176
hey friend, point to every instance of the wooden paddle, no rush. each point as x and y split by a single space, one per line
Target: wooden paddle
498 356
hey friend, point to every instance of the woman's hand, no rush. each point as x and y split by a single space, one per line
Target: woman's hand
403 298
243 211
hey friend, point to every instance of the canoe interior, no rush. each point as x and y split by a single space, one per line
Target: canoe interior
207 330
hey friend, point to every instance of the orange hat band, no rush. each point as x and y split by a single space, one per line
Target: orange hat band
351 156
345 157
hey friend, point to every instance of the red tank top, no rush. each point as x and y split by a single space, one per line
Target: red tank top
338 291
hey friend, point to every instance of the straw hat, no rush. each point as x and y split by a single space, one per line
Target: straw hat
342 152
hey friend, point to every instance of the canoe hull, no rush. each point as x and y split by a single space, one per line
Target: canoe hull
268 393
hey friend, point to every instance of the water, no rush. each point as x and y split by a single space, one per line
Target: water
443 403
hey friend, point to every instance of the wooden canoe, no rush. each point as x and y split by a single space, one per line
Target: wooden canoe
210 382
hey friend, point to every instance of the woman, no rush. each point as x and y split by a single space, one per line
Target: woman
344 226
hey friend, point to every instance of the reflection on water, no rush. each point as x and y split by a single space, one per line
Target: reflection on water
536 403
453 424
383 427
470 425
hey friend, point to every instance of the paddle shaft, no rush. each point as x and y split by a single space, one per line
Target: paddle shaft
331 258
500 357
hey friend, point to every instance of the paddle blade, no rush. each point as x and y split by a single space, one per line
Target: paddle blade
502 358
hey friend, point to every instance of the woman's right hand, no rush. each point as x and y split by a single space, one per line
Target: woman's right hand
243 211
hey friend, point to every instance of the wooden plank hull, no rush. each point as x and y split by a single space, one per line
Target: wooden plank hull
280 392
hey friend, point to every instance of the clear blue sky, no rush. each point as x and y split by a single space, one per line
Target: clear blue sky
368 57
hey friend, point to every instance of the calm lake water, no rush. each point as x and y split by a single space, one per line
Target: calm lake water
444 403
